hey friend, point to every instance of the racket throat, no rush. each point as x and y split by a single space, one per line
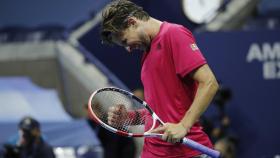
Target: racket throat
148 133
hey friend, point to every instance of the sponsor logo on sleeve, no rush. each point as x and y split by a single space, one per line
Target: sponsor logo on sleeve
194 47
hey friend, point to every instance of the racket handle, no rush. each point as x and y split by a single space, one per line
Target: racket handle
204 149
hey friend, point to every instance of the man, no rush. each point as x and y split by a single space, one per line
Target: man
178 83
30 143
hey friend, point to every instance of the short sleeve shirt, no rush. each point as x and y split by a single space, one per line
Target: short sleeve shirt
168 88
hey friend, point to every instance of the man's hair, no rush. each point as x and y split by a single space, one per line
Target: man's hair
115 15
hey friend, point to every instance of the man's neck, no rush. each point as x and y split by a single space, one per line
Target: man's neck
153 27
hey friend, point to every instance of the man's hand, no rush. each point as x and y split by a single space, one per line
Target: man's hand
117 115
172 133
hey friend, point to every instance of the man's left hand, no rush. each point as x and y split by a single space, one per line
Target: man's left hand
172 133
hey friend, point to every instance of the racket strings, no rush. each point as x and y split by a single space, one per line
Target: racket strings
130 114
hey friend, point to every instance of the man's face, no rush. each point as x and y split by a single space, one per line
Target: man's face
133 38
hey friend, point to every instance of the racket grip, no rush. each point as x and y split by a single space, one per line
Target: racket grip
204 149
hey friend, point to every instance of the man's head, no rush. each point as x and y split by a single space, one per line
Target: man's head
29 130
123 24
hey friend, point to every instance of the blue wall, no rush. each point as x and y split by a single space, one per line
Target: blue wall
238 60
33 13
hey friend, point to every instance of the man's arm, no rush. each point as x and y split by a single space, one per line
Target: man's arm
207 88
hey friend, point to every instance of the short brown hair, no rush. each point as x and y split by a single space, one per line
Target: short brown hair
114 18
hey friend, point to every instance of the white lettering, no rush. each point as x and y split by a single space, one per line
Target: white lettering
271 52
254 53
269 55
278 66
269 70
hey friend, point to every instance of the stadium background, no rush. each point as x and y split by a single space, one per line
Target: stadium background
51 57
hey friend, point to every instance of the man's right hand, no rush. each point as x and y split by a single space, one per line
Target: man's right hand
117 115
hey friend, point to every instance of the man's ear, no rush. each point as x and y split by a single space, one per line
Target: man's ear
131 21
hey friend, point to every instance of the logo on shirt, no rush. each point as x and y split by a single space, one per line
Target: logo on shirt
158 46
194 47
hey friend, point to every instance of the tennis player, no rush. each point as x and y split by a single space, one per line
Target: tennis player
178 83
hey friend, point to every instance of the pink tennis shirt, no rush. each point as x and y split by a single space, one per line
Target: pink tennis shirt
168 88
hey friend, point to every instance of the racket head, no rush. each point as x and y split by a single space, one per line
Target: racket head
102 99
132 124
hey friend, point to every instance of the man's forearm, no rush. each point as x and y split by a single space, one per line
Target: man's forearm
204 95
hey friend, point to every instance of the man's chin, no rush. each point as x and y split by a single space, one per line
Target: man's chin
147 49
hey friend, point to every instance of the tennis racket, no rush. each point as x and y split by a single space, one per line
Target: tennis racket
121 112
